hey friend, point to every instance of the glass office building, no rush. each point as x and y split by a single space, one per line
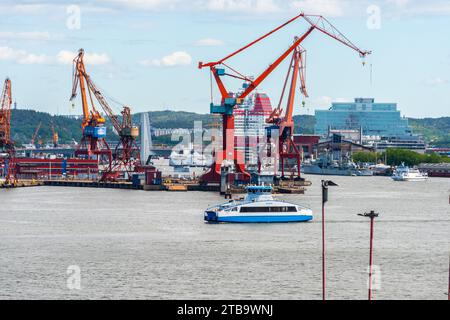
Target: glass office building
381 120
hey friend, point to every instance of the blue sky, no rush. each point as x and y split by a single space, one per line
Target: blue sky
144 53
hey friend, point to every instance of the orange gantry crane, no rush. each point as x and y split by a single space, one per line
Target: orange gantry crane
7 149
55 137
35 135
94 130
93 142
230 100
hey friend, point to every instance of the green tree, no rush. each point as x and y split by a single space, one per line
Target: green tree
364 157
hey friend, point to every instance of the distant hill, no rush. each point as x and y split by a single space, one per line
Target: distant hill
175 119
24 123
435 130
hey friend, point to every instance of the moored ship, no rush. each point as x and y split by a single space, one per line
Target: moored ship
325 166
405 173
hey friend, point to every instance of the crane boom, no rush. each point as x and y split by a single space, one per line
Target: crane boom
91 117
5 113
104 104
6 144
316 22
36 132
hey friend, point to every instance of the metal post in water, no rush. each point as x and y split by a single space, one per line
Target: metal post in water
372 215
325 185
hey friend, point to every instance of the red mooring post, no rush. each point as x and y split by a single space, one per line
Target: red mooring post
448 290
372 215
323 251
325 185
371 258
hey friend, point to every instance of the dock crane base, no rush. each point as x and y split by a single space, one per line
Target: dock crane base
214 173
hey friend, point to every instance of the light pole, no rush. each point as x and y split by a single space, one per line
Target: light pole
325 185
372 215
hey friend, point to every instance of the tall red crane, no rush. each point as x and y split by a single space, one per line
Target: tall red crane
126 154
7 149
284 125
230 100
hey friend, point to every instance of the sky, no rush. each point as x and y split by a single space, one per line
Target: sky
145 53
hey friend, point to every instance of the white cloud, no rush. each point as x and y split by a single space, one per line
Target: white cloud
22 56
209 42
179 58
248 8
258 6
438 81
146 4
33 35
66 57
29 9
328 8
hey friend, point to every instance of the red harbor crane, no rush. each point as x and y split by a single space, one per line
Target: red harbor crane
127 154
284 125
94 130
7 150
230 100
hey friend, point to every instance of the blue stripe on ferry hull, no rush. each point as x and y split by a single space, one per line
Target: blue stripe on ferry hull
264 219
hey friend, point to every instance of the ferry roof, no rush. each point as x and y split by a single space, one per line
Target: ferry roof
260 188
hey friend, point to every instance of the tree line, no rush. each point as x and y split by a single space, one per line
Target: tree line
395 157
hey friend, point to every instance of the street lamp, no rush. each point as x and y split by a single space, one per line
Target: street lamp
325 185
372 215
448 291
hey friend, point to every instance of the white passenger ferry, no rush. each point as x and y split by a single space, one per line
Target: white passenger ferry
258 207
404 173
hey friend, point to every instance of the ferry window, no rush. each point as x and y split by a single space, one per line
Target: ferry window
267 209
255 209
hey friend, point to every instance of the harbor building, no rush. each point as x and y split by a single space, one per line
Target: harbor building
250 124
375 119
378 125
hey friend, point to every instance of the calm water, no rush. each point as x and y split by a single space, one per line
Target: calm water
152 245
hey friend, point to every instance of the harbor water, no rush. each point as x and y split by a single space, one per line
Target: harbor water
154 245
